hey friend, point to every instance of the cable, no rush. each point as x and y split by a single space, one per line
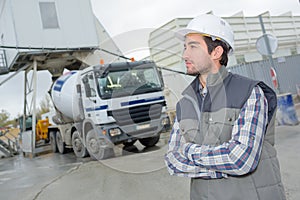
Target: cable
172 70
63 49
80 49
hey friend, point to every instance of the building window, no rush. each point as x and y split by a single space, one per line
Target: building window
294 51
240 59
48 15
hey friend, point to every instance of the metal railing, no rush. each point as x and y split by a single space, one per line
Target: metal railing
287 70
9 144
3 63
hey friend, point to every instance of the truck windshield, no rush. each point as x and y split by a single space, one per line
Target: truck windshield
126 82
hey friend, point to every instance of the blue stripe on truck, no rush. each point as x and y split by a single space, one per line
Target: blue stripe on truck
127 103
61 81
103 107
58 85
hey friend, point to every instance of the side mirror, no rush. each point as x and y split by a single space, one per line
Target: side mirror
85 80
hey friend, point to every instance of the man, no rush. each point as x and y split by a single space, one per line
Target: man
223 135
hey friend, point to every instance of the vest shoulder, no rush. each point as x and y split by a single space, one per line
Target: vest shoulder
238 77
239 84
251 82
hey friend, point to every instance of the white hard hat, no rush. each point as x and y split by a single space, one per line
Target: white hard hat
210 25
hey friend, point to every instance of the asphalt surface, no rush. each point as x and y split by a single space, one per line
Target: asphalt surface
138 175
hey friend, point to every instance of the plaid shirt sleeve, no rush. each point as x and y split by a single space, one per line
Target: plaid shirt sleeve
238 156
178 164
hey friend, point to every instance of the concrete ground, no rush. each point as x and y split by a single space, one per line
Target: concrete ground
137 176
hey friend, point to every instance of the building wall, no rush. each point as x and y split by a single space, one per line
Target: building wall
75 23
106 43
61 24
284 27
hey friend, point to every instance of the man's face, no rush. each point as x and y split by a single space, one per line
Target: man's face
195 55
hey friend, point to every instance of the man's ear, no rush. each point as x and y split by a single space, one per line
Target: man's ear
217 53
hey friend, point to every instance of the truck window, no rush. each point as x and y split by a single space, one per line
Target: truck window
129 82
89 85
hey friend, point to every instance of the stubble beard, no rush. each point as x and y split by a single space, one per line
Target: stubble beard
200 71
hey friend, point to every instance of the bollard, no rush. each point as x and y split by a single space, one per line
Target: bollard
286 112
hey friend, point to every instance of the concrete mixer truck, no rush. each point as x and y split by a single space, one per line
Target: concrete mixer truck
101 106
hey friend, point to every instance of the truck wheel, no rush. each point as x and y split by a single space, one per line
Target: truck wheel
60 143
53 141
96 147
78 147
149 142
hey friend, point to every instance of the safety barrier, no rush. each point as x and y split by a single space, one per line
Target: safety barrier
286 112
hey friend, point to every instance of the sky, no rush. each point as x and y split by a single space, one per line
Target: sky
120 17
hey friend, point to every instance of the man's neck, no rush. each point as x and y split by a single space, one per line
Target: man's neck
202 80
203 77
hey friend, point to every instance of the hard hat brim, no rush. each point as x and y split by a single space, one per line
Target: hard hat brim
181 33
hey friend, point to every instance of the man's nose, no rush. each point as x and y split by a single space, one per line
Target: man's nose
184 54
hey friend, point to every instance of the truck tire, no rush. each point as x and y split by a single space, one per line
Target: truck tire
52 136
149 142
96 147
60 143
78 147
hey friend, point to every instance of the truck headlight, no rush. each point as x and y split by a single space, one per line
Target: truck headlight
114 132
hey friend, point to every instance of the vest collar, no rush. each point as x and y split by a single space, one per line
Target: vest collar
212 79
217 78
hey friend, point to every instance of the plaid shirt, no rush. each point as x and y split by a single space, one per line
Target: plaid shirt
238 156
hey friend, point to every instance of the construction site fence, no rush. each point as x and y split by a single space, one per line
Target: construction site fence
287 73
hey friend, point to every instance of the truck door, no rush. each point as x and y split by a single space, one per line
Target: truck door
89 98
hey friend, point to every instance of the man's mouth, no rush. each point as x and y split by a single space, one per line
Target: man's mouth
187 63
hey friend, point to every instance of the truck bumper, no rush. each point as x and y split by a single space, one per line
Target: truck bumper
137 130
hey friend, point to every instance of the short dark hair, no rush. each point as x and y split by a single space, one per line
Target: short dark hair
212 44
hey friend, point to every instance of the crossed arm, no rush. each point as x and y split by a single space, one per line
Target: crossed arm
238 156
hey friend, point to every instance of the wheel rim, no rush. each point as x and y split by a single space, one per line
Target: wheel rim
94 146
98 147
77 144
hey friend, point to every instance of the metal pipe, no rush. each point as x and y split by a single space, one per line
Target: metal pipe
14 74
269 52
34 106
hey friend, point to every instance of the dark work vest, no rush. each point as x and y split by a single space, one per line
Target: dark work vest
210 121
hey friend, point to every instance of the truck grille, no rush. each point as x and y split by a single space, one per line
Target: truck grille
137 114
